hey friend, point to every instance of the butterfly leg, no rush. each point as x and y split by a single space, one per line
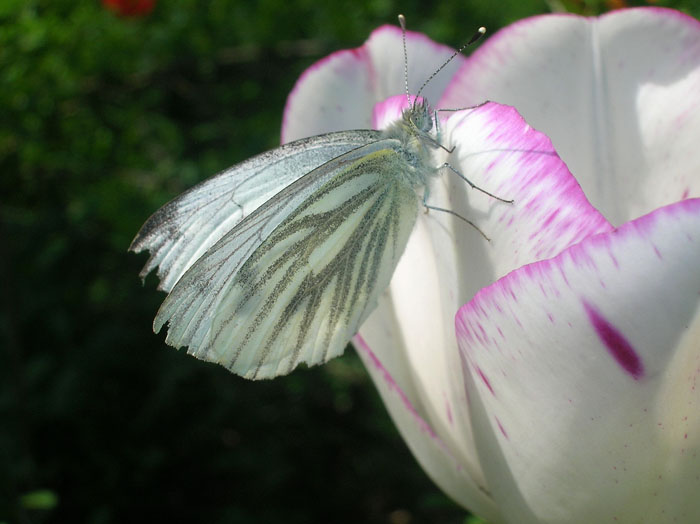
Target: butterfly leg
428 207
473 185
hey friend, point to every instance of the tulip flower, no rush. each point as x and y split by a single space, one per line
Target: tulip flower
564 390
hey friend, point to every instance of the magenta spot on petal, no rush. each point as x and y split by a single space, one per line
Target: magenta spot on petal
618 346
485 380
685 194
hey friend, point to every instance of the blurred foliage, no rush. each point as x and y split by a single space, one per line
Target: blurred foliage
104 118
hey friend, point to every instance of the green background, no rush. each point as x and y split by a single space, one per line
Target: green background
103 119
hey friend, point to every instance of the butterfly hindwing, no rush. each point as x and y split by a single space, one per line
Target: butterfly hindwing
293 282
181 231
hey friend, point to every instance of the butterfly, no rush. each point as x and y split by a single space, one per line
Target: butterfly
278 260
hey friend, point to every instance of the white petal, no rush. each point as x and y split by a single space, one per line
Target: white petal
424 58
339 91
502 154
582 374
618 95
333 94
447 261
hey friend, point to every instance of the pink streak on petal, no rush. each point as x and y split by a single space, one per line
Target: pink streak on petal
618 346
485 380
362 346
503 431
449 411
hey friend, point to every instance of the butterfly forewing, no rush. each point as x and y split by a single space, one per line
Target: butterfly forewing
302 292
185 228
190 305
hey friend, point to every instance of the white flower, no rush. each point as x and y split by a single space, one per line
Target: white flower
572 396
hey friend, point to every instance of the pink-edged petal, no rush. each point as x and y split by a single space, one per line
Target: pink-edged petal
334 94
582 375
432 453
385 113
339 91
446 261
499 152
424 58
618 95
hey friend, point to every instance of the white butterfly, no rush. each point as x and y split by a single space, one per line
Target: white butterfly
279 260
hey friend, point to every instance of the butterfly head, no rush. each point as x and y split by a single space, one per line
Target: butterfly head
418 116
404 118
409 121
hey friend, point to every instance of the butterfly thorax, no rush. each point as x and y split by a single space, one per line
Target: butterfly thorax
414 131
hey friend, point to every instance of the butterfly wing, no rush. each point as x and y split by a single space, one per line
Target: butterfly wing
181 231
289 287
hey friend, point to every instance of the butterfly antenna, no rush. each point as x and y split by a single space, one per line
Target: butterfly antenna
402 23
479 33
